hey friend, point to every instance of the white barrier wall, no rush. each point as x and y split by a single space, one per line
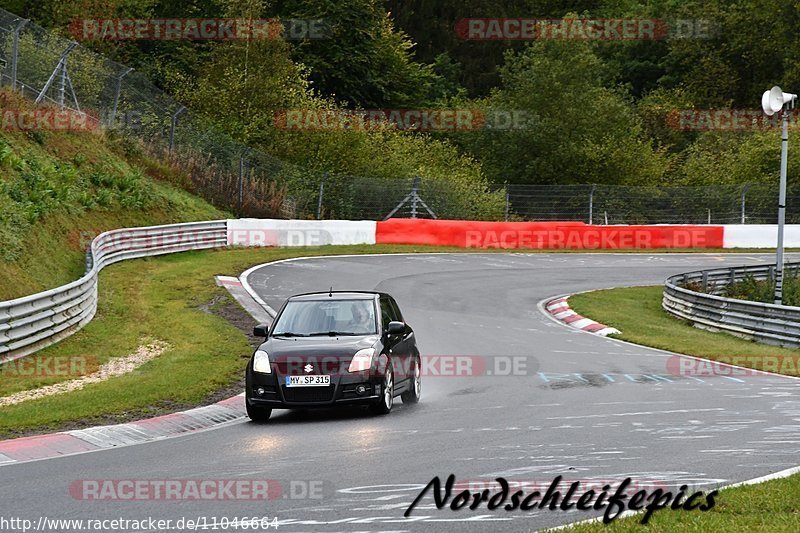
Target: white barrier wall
274 232
760 236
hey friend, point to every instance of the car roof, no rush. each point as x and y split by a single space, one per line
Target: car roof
335 295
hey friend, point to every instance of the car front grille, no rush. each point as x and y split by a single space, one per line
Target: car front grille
308 394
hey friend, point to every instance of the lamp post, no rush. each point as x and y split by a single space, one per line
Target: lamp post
773 101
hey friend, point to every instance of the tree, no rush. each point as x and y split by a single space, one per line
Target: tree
577 130
363 60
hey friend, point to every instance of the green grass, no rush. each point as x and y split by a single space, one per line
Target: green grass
636 311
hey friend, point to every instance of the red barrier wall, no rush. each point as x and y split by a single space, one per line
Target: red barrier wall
545 235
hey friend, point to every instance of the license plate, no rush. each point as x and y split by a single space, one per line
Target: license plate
308 381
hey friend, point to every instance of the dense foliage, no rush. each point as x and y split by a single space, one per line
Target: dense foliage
597 111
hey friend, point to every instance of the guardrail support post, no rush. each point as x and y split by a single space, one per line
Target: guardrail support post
705 281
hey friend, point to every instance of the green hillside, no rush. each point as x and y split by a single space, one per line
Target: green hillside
59 189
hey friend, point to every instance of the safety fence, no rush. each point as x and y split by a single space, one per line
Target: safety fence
699 298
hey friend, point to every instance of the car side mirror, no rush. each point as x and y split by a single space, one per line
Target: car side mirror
261 330
396 328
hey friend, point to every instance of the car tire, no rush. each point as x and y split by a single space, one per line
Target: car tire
412 395
256 413
384 405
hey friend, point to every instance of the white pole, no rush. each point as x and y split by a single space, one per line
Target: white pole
781 208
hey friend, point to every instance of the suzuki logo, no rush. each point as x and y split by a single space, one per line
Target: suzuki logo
308 368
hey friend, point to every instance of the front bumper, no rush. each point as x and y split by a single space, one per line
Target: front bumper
269 390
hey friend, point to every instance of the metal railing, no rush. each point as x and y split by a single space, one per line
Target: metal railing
706 308
33 322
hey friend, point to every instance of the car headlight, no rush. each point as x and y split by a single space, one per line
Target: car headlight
362 360
261 362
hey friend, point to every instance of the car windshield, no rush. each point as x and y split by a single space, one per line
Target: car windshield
309 318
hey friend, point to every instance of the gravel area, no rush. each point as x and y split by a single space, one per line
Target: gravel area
115 367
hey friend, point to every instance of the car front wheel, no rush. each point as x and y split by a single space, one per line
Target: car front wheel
384 404
256 413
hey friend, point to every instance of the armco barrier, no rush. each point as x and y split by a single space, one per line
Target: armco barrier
545 235
30 323
762 322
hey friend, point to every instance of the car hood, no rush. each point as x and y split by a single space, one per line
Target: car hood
343 347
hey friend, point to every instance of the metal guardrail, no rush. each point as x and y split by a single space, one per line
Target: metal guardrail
709 309
33 322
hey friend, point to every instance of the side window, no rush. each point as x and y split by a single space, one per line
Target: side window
386 312
395 310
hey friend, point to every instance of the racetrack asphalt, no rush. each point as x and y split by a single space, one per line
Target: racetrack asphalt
580 406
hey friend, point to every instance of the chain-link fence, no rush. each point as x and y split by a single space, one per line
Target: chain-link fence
609 204
52 70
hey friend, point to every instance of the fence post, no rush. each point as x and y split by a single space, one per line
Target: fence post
61 68
507 200
116 98
709 216
241 183
321 194
15 53
744 199
175 116
591 203
414 196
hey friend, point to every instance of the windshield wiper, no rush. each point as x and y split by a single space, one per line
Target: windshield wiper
333 333
289 334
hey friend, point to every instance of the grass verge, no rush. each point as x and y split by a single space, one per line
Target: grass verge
636 311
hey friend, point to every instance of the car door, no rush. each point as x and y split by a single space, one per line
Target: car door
403 344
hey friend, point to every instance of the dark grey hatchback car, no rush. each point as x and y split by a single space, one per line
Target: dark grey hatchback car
333 348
